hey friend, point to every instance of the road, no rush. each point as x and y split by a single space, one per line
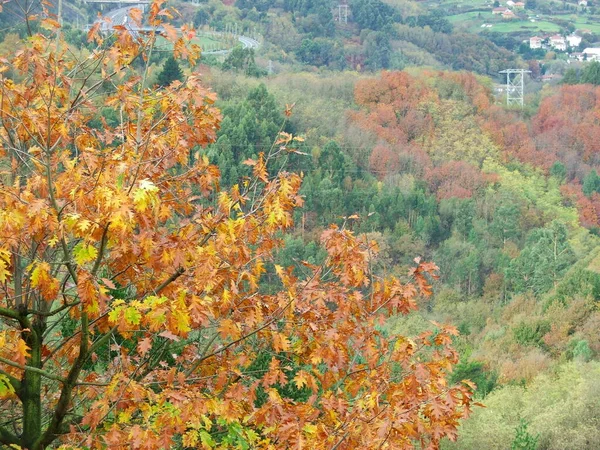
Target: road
120 17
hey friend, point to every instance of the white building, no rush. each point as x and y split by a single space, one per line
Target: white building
535 42
592 53
558 42
574 40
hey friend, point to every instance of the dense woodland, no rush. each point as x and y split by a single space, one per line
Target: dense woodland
339 155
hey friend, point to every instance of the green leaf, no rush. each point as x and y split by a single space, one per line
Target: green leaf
133 316
84 253
5 386
207 439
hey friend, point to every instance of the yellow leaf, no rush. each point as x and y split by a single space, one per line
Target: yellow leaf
301 379
144 195
42 280
53 241
4 273
83 225
309 428
22 352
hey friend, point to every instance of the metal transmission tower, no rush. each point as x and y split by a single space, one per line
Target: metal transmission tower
515 86
343 6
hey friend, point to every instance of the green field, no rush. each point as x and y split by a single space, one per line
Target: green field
583 25
474 15
522 25
472 21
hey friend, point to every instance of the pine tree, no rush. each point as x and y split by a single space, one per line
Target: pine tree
591 74
558 171
170 72
591 183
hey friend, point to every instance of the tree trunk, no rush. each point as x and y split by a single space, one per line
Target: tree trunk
31 389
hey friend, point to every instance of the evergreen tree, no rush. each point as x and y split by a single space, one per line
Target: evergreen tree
523 439
241 59
170 72
591 183
571 77
558 171
543 261
591 74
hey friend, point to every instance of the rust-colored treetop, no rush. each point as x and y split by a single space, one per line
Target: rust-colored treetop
135 311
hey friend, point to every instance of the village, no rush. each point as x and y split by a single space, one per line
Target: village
569 44
563 41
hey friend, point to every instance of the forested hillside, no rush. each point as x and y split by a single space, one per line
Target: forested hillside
295 224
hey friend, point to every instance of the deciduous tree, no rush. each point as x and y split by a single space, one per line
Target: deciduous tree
134 312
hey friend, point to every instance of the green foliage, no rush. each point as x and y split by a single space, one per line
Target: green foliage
531 334
591 183
531 186
571 76
457 134
523 439
583 279
505 225
296 251
560 408
241 59
436 20
591 73
373 14
6 388
460 264
558 171
170 72
319 52
544 260
378 50
580 349
476 372
250 127
460 51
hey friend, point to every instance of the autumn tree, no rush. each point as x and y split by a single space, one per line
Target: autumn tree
133 309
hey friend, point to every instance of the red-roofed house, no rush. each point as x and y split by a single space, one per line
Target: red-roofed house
535 42
558 42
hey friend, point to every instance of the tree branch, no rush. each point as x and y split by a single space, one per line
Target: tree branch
101 250
10 313
43 373
168 281
53 312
